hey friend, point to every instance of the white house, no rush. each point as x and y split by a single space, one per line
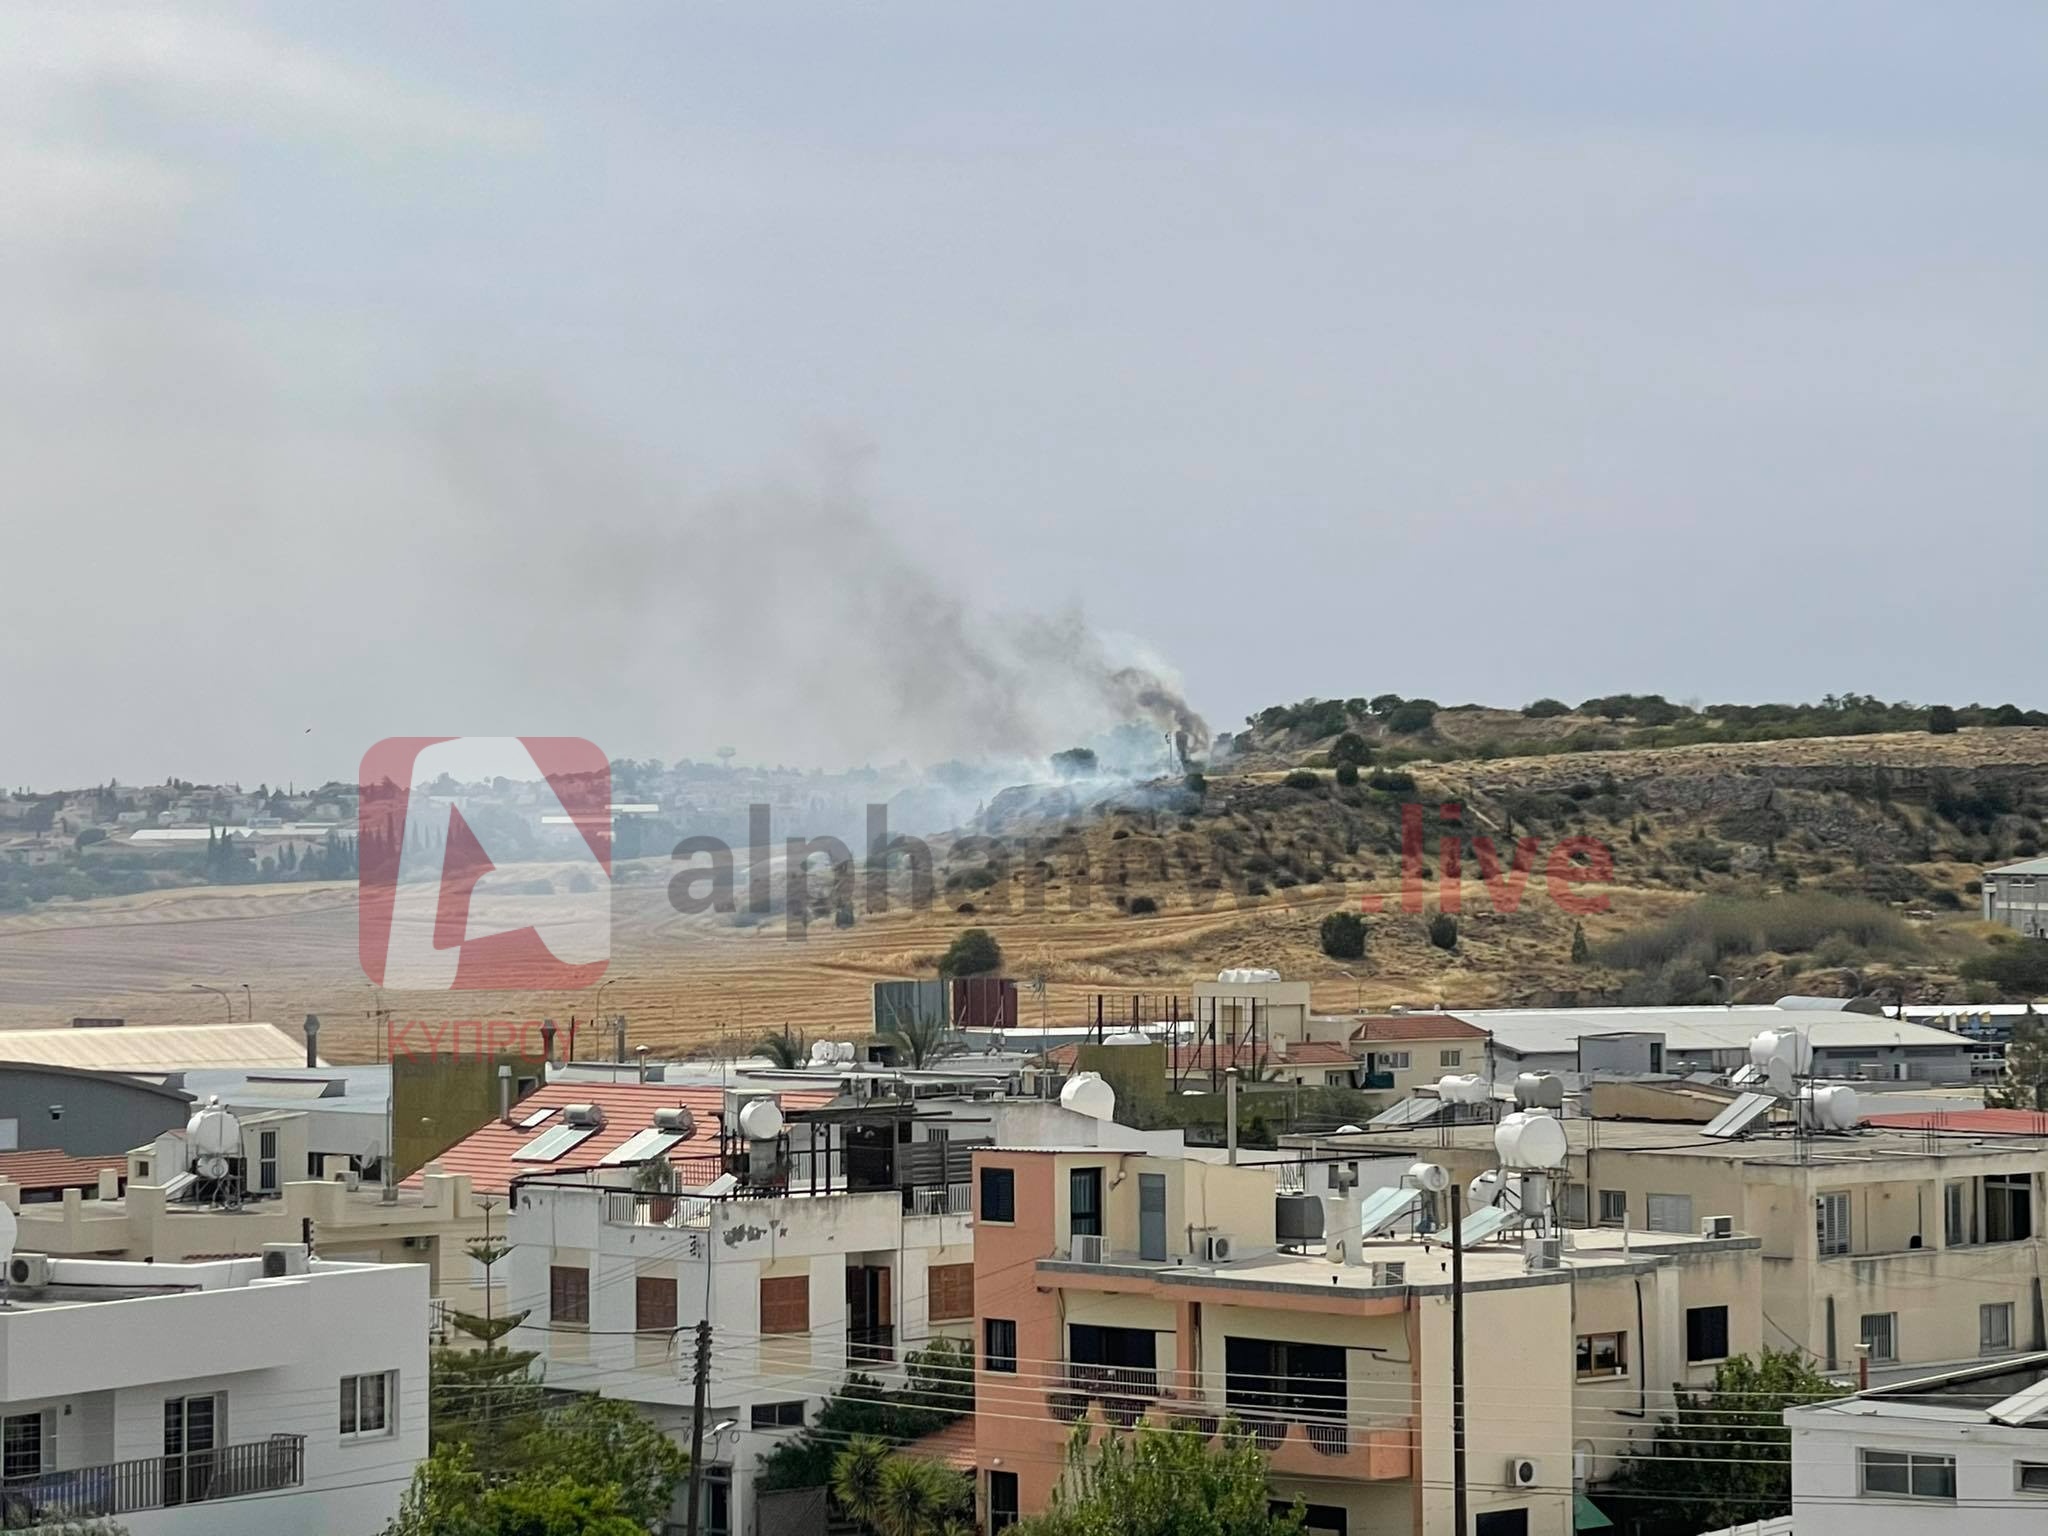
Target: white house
1965 1452
241 1397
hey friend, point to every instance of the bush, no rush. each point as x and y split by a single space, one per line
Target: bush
2013 968
1393 781
1941 721
1343 936
1301 778
1717 926
1350 748
1143 906
1195 785
1443 931
973 952
1074 763
1347 774
1413 717
1546 709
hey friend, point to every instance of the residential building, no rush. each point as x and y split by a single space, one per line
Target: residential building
1266 1061
2016 896
1112 1287
1399 1053
1868 1237
1964 1452
242 1396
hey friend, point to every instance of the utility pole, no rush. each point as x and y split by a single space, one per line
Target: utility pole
1460 1499
703 1372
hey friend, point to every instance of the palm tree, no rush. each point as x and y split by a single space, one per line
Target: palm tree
916 1498
857 1476
924 1036
787 1051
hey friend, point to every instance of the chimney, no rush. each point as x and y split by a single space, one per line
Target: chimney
312 1039
547 1042
505 1094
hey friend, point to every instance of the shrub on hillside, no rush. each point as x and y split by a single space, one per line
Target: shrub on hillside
1717 926
1443 931
1142 906
1301 778
1941 721
2020 969
973 952
1350 748
1343 936
1546 709
1347 774
1412 717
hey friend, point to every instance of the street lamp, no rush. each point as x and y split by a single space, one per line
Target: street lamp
619 1043
200 986
249 998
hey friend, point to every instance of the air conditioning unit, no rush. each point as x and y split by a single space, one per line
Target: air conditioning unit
282 1259
1390 1274
1089 1248
29 1269
1217 1248
1524 1472
583 1114
1718 1226
352 1181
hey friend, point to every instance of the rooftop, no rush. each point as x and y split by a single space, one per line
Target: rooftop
2024 867
1967 1122
1550 1031
1676 1140
1303 1053
39 1171
488 1154
2012 1393
1416 1026
156 1048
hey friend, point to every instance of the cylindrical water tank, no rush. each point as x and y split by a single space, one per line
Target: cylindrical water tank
1127 1037
1468 1089
1087 1094
760 1120
1430 1176
1530 1138
213 1131
1836 1106
1786 1045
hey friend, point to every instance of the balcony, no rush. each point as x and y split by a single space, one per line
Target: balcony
869 1347
1124 1392
154 1482
943 1200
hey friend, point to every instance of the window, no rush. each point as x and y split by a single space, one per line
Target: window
1322 1519
2008 1207
654 1303
1880 1335
1603 1354
1994 1327
568 1293
998 1194
717 1501
1669 1213
2030 1476
367 1403
21 1446
266 1161
1084 1202
1002 1501
1450 1058
789 1415
1390 1061
1275 1379
1706 1334
1613 1207
999 1344
1904 1475
951 1291
1958 1214
1501 1522
786 1304
1130 1348
1832 1222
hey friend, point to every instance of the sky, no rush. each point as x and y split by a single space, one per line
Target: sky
857 383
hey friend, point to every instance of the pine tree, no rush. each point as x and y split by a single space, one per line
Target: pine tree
486 1399
1581 952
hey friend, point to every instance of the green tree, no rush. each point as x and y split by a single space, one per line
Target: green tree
1443 931
1350 748
1941 720
921 1036
1163 1482
1074 763
1343 936
973 952
449 1497
939 1388
1546 709
2019 967
1724 1457
485 1402
607 1442
1412 717
1347 775
2025 1085
1581 952
1385 704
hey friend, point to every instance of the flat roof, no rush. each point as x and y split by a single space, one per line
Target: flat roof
155 1047
1553 1031
1675 1139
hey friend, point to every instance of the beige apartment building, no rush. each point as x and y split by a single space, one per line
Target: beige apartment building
1925 1248
1111 1287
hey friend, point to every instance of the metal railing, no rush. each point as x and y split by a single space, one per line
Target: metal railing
154 1482
943 1200
870 1346
437 1320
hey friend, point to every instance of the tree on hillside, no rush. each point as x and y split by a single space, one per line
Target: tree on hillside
973 952
2017 967
1163 1482
1941 720
1074 763
1412 717
1343 936
1443 931
1546 709
1724 1457
1385 704
1350 748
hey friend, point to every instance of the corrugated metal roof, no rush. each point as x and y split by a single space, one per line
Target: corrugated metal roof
49 1169
486 1154
1550 1031
2024 867
155 1047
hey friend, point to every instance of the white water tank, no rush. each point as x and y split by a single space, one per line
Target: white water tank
1784 1045
1469 1089
1836 1106
1530 1138
761 1120
1246 976
1127 1037
1087 1094
1429 1176
213 1132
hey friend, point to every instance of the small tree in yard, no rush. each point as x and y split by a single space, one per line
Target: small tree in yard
973 952
1163 1482
1725 1456
1343 936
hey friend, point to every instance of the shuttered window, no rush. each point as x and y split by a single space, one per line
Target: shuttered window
654 1303
786 1305
952 1292
568 1293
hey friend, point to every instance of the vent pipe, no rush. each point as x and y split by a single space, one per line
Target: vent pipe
1230 1113
312 1040
505 1093
547 1042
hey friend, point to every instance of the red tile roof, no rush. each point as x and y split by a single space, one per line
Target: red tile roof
952 1446
486 1153
40 1170
1417 1026
1304 1053
1971 1122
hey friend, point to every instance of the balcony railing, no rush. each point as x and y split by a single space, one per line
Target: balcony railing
1124 1391
943 1200
154 1482
870 1346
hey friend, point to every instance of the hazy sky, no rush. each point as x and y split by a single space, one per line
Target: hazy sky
795 376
